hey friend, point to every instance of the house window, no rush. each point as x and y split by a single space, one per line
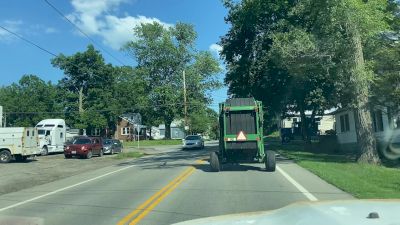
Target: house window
61 135
162 132
125 131
96 132
27 133
344 123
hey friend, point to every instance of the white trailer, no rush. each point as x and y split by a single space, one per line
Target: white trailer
18 143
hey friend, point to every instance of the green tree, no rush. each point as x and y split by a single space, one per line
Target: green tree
352 23
162 54
87 83
29 101
314 51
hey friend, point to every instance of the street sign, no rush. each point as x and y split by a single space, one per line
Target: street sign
241 136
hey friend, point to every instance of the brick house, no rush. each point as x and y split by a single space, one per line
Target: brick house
126 127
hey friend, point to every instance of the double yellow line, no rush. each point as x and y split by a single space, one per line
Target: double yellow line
146 207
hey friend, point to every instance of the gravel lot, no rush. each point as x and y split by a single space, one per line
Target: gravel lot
16 176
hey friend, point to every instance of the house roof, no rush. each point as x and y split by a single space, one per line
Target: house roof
339 110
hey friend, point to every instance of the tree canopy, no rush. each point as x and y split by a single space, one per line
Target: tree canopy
163 54
310 55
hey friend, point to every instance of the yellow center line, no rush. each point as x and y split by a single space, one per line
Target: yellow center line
157 201
157 194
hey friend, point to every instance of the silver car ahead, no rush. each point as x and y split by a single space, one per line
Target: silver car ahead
111 146
193 141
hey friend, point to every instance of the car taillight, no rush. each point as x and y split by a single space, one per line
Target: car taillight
67 148
83 148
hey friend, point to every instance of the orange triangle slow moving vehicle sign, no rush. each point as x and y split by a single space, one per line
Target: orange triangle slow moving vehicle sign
241 136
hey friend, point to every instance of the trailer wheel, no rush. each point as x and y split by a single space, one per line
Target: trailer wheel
5 156
214 162
270 161
45 151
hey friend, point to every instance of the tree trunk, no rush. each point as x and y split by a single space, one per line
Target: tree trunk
167 129
150 133
303 124
80 103
359 81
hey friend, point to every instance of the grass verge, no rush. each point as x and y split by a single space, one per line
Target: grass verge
360 180
128 155
152 143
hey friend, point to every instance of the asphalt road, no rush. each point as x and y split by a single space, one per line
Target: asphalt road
165 188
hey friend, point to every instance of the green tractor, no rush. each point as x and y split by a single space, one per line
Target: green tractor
241 135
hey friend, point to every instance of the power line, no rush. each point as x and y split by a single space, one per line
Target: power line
28 41
37 46
82 32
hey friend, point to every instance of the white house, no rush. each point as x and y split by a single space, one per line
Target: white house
386 128
325 122
177 131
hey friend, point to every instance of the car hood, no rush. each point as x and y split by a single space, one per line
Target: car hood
305 213
107 145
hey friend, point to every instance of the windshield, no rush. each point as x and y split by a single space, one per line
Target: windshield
193 137
107 142
80 141
158 111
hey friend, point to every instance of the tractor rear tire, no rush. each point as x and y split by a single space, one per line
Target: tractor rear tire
214 162
270 161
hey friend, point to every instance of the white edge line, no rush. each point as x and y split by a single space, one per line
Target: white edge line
302 189
63 189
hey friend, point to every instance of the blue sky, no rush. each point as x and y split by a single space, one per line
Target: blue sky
108 22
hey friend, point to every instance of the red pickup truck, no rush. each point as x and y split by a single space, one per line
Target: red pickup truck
84 147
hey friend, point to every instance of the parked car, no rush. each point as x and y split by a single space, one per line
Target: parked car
84 147
112 146
193 141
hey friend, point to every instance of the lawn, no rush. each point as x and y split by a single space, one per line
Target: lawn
360 180
152 143
128 155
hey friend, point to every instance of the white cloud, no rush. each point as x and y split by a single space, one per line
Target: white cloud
50 30
94 18
215 48
11 25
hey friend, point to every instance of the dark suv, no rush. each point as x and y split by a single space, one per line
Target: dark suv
84 147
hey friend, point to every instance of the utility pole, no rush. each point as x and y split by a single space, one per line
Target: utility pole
1 116
184 99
